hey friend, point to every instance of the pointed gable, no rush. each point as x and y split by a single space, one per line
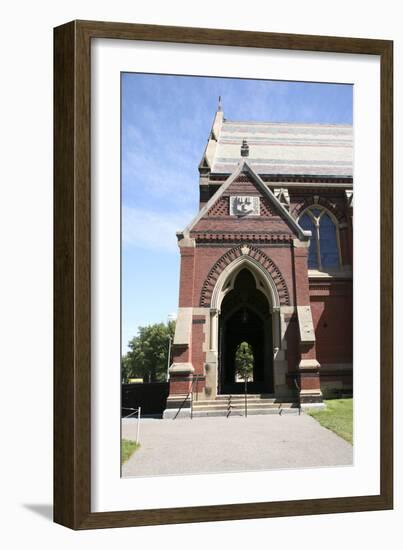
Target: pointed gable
245 204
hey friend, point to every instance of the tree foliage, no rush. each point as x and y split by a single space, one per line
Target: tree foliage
126 369
147 357
244 361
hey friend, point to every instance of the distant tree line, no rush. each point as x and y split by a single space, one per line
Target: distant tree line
147 357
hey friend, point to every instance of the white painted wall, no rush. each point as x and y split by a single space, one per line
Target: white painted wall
26 269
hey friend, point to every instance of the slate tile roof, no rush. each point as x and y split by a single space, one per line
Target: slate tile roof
284 148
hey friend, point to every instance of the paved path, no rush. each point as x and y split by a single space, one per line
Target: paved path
202 445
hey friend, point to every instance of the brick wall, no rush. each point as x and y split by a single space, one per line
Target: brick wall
332 312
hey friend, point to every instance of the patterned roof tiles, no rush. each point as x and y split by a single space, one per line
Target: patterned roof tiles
284 148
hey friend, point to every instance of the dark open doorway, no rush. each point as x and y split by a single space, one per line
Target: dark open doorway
245 317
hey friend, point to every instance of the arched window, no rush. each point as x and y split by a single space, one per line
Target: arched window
324 246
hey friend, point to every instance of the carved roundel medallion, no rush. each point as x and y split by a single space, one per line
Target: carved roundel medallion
242 205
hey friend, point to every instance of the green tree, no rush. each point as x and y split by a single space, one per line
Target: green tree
126 369
244 366
244 361
147 357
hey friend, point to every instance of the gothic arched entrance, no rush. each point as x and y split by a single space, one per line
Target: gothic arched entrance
245 317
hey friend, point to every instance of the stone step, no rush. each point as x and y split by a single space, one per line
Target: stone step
241 401
241 406
212 413
225 397
258 403
242 409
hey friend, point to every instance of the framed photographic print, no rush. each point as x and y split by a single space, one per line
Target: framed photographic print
223 323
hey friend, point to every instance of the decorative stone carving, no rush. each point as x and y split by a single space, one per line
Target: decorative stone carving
349 197
241 205
283 196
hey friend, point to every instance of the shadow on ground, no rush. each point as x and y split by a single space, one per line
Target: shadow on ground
43 510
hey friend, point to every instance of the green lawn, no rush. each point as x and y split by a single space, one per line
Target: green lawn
338 417
128 448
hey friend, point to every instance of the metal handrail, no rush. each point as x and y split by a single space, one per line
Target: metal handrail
229 406
195 379
298 390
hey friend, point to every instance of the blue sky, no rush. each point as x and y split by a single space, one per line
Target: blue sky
166 121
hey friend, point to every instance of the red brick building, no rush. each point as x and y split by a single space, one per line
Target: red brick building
267 260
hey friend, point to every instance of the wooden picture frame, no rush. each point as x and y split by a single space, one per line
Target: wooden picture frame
72 271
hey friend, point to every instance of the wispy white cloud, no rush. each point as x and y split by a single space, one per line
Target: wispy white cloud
153 230
171 177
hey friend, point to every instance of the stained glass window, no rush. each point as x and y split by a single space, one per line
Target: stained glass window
306 222
329 254
323 247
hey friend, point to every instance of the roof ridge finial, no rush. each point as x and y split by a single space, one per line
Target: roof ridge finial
219 104
244 148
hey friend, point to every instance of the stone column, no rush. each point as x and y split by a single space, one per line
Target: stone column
181 371
211 364
213 330
309 379
310 392
180 384
280 361
279 355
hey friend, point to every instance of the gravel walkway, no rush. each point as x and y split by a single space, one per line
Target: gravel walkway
202 445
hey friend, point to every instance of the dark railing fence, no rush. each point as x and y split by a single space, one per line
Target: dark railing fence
298 388
189 397
151 397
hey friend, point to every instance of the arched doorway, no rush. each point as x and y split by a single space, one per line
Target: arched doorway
245 317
